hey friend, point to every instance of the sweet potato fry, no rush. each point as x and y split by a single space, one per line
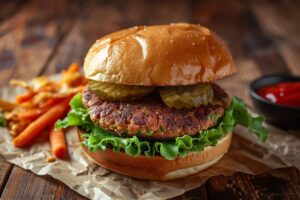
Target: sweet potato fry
48 88
31 114
34 113
50 102
36 127
24 97
6 105
58 143
73 68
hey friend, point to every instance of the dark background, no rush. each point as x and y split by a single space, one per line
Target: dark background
42 37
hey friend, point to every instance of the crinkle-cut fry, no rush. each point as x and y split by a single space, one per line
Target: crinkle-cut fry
25 97
7 105
35 128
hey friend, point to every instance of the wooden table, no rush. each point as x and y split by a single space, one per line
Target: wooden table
41 37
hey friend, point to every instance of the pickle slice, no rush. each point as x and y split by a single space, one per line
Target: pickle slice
114 92
190 96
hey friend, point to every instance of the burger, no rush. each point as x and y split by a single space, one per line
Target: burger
152 109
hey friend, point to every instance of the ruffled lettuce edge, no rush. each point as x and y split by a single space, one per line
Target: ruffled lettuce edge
96 138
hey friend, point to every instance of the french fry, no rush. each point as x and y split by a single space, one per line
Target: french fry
58 143
73 68
36 127
48 88
24 97
31 114
34 113
20 83
50 102
45 101
6 105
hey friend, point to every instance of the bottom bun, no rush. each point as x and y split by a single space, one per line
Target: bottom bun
158 168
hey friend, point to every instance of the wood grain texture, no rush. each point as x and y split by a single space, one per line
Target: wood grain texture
5 169
86 30
26 185
276 184
38 37
9 8
281 22
32 35
198 193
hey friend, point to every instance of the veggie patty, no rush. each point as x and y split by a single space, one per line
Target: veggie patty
149 117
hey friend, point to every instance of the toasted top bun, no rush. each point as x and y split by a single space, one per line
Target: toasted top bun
163 55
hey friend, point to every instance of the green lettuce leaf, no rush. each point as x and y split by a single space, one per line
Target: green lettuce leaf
2 120
78 116
95 138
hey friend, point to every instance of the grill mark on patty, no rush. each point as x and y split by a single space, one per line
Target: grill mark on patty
149 117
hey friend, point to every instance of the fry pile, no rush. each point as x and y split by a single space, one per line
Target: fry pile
44 102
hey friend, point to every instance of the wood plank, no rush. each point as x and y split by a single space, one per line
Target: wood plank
9 8
290 54
26 185
277 184
32 36
262 48
242 32
154 12
225 22
5 170
198 193
87 29
281 22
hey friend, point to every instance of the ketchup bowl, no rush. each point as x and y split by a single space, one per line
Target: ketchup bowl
283 116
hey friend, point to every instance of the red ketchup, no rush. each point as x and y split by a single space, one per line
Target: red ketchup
285 93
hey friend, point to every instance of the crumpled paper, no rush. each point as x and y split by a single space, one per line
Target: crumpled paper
94 182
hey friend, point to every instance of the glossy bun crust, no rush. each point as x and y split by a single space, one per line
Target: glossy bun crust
175 54
158 168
